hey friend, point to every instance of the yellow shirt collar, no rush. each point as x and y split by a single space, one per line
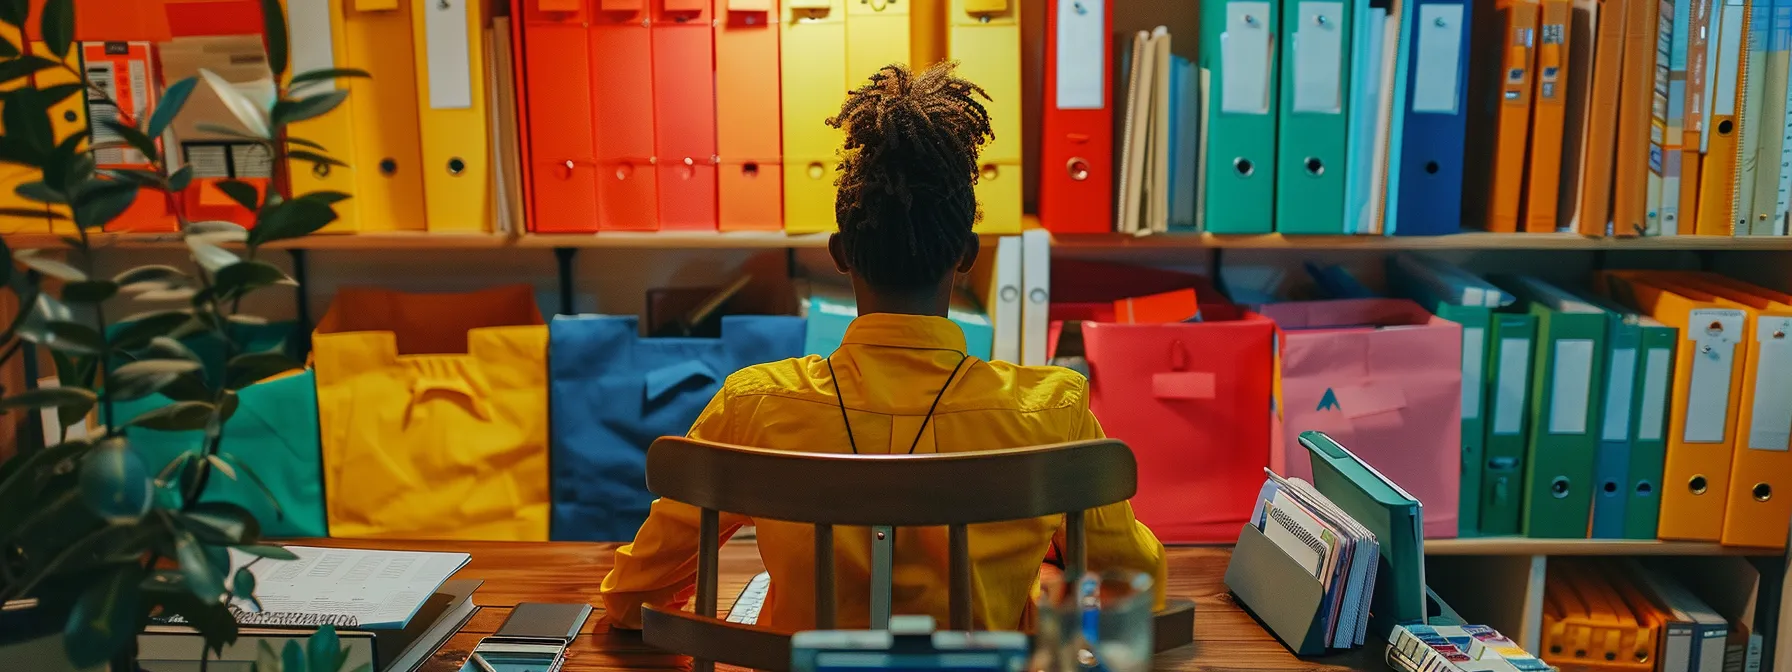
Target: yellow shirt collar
905 331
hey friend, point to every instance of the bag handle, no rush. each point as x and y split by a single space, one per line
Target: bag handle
1179 383
664 379
469 386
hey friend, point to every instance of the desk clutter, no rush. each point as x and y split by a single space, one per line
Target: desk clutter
1619 614
509 115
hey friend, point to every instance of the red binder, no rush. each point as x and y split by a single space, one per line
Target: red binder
556 90
622 115
749 179
1077 165
684 114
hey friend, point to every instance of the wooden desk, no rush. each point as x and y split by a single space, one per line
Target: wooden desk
1225 637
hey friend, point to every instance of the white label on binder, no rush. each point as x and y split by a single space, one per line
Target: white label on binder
1571 387
1473 352
1080 57
1245 58
1650 422
1770 428
1319 57
445 36
313 46
1438 61
1713 334
1620 383
1510 385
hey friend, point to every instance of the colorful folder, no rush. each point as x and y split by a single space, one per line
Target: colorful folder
1718 169
1571 344
1766 214
1597 50
1077 175
684 114
1311 126
1707 379
1549 105
1701 43
1238 50
1510 365
1752 123
1588 626
621 60
1434 114
984 37
813 64
1630 168
750 177
1517 22
557 110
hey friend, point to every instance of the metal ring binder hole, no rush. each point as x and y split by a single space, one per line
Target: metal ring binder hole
1559 487
1644 488
750 169
456 166
989 171
1243 167
1726 126
1611 486
1431 167
1555 648
1010 293
1697 485
1580 653
1642 656
1037 296
815 171
1315 167
69 116
1078 169
388 167
320 169
1611 655
1763 492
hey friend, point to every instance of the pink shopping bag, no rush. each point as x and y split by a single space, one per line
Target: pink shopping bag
1384 378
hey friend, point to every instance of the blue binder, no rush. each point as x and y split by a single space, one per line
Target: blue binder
612 392
1425 180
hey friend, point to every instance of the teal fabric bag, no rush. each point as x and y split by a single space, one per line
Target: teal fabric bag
274 432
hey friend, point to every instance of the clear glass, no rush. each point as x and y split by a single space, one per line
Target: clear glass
1096 622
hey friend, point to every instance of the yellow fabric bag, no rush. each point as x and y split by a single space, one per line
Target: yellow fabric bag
434 414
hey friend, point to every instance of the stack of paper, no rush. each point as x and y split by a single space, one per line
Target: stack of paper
1145 143
1337 550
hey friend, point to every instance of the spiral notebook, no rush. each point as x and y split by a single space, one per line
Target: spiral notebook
344 587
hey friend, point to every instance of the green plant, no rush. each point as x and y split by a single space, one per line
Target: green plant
321 653
100 541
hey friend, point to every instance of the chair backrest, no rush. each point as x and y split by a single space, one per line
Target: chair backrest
887 491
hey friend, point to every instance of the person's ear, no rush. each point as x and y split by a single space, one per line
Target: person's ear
970 254
837 250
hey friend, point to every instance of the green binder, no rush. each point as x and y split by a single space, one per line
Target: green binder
1241 135
1411 282
1311 128
1648 450
1508 392
1393 516
1571 341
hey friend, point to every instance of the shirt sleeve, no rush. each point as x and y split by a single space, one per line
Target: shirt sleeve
1113 538
660 567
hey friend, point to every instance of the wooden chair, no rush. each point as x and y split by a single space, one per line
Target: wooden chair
882 492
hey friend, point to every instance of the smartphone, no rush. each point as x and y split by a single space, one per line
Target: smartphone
533 639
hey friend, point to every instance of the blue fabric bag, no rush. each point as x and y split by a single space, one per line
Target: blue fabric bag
612 392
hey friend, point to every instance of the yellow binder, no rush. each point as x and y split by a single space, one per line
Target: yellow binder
376 37
318 44
877 35
814 67
985 40
450 61
12 175
66 119
1549 107
1588 626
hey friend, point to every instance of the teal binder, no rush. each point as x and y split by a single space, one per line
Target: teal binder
1648 449
1393 516
1512 342
1311 155
1565 383
1238 51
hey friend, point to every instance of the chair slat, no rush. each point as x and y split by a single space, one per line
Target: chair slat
709 553
959 548
824 577
1076 555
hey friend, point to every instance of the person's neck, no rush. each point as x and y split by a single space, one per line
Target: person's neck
931 302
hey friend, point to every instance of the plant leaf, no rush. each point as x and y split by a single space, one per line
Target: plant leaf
331 73
222 466
314 157
175 417
247 276
172 593
243 588
163 347
243 193
8 49
23 66
266 551
203 580
139 140
296 218
50 267
292 657
211 257
254 478
273 27
306 143
309 107
188 387
145 178
89 291
249 320
75 338
60 92
14 12
324 646
181 178
138 330
105 617
115 484
52 397
38 192
173 98
27 213
98 202
59 26
246 370
223 520
148 273
247 113
140 379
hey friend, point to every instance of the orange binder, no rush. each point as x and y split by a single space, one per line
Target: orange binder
1697 82
1717 171
750 174
1708 378
1549 107
1630 182
1762 464
126 72
67 118
684 114
1595 206
556 90
1512 126
621 86
1587 625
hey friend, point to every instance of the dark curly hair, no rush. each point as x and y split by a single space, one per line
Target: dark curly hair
905 205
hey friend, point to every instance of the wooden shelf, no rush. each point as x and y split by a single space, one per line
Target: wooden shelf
778 240
1528 546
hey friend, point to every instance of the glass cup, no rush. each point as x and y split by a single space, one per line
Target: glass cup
1096 622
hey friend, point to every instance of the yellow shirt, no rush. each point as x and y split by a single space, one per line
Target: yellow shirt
890 369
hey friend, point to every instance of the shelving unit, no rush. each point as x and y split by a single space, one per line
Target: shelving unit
1563 547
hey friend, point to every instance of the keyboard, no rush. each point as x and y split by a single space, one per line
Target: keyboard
746 607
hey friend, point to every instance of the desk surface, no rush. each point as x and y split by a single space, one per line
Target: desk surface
1226 638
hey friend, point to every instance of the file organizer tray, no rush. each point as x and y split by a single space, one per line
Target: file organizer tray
1276 590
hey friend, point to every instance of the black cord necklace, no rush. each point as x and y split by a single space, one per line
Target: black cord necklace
840 396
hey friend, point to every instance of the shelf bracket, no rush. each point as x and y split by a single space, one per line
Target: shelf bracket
563 258
1216 259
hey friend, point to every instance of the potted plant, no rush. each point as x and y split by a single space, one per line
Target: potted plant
93 542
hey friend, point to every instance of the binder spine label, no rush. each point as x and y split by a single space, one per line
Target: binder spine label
1247 53
1319 58
310 19
1571 386
1474 351
1080 43
1620 383
1655 394
1714 334
450 54
1437 63
1770 428
1510 387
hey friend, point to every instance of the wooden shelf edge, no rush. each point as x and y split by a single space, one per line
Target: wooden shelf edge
1528 546
1459 241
